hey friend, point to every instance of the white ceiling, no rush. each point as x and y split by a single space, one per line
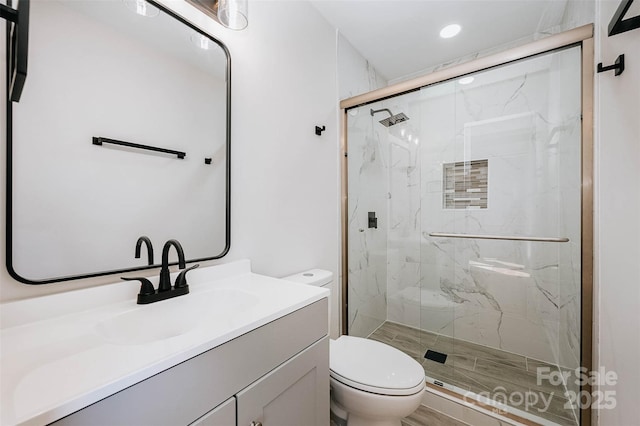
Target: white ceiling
401 37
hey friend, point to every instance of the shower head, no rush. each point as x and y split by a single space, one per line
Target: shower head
392 119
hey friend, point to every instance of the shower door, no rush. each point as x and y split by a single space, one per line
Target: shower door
501 228
465 232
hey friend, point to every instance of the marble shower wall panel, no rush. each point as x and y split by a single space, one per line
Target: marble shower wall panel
404 213
355 74
368 192
518 296
403 289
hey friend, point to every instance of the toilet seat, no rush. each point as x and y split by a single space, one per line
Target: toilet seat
374 367
378 390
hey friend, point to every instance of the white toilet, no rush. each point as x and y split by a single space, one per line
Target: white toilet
372 383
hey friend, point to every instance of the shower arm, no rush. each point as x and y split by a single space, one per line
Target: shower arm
372 111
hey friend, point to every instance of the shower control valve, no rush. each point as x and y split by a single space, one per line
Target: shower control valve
373 220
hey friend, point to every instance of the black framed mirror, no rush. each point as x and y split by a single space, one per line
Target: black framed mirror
122 131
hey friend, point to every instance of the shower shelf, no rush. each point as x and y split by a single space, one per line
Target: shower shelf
500 237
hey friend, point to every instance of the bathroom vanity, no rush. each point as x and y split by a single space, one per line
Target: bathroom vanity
241 349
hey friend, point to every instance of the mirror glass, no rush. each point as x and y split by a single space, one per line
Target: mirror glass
105 71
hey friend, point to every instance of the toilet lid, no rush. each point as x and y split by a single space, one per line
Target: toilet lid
374 367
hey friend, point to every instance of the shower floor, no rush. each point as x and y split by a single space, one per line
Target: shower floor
482 370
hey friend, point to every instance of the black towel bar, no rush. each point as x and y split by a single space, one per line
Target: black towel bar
100 141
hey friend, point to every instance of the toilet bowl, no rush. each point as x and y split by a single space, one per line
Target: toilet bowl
372 383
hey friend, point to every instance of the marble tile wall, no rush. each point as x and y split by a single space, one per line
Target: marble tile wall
405 204
355 74
368 191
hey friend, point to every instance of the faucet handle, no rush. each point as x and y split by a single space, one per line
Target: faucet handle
181 280
146 287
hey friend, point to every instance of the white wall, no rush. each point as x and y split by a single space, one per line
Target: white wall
284 207
617 216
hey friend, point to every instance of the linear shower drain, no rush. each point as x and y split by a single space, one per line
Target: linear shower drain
436 356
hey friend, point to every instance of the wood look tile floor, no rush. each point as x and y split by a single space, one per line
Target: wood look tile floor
423 416
481 369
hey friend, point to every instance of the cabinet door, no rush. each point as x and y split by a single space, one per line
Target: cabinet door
294 394
223 415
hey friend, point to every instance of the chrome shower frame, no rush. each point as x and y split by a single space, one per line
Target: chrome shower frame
581 36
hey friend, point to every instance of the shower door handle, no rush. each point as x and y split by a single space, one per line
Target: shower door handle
501 237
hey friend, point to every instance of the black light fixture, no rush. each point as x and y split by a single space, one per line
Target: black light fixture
18 44
621 23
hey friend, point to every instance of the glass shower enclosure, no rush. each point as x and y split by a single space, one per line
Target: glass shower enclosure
464 232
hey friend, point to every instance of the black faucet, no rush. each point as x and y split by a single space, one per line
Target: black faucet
148 294
147 241
165 279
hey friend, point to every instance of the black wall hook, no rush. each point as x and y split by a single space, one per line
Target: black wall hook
319 130
618 66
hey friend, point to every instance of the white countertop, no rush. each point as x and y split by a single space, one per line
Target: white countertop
63 352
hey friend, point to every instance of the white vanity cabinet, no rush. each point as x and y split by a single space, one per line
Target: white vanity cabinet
275 375
222 415
293 394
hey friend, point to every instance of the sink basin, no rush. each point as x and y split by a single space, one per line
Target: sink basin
174 317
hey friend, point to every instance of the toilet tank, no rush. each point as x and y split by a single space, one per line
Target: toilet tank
318 278
315 277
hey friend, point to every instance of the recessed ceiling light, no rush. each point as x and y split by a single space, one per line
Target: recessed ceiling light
466 80
450 31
